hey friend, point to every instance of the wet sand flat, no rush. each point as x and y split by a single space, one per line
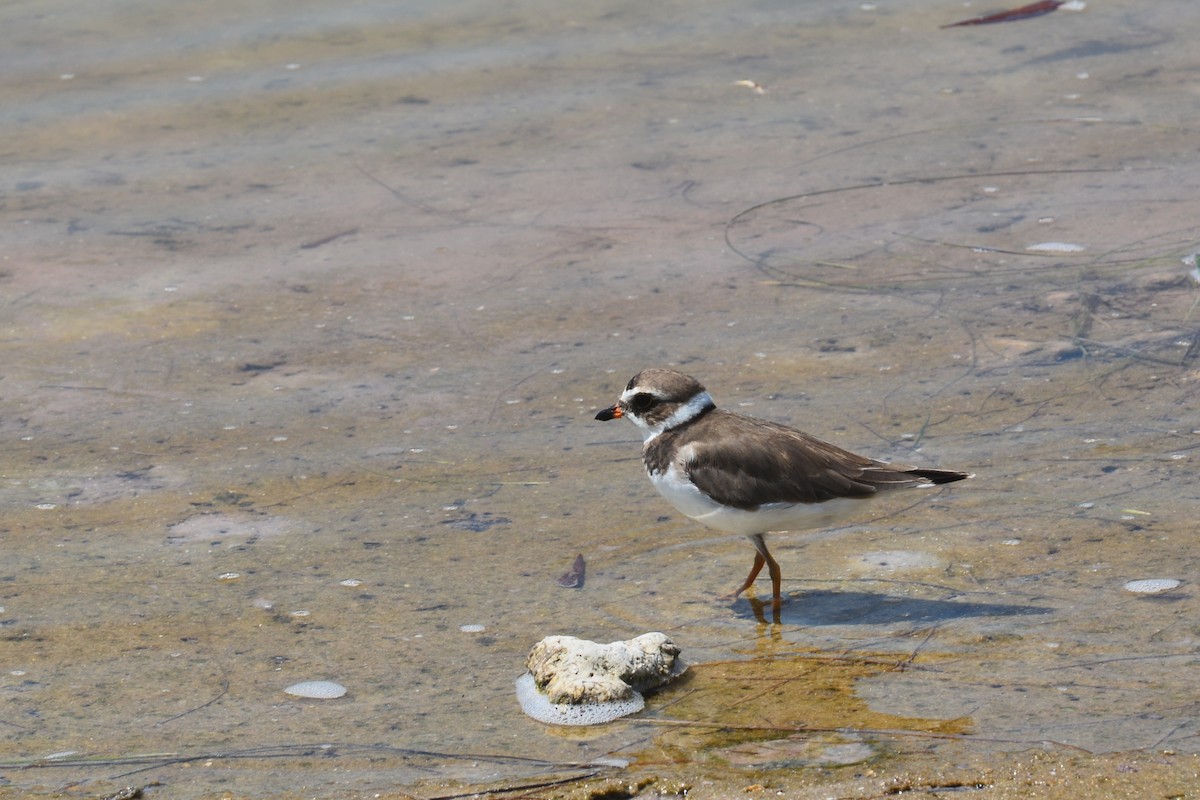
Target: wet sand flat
307 311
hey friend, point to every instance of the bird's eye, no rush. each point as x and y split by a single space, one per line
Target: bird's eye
643 402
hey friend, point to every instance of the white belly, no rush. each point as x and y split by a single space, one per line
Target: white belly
771 517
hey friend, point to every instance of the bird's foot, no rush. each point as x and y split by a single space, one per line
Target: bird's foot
775 602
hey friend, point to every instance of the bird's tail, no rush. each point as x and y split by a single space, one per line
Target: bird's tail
937 476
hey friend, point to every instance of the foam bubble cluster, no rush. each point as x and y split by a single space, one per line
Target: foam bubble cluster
538 706
1152 585
316 690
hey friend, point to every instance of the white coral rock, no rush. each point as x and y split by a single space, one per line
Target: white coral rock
576 682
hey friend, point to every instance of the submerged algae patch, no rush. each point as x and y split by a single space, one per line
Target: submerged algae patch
784 712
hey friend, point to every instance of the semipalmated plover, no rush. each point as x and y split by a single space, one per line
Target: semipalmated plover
745 475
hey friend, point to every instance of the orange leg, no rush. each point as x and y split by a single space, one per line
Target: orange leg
757 568
763 556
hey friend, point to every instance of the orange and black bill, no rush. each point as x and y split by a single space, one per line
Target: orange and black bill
614 412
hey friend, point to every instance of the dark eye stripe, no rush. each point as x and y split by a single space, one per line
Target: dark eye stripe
643 401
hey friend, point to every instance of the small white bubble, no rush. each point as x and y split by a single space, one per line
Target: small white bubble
1152 585
317 690
1055 247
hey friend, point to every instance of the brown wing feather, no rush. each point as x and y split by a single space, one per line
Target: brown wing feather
797 468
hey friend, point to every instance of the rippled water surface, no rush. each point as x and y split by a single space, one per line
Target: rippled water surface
307 309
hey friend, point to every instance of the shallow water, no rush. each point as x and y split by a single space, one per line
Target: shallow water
307 312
